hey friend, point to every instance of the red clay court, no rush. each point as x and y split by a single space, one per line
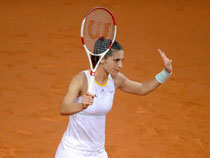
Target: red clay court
40 51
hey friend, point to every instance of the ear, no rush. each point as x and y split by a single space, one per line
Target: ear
103 61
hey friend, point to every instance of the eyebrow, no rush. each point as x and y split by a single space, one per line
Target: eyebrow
118 59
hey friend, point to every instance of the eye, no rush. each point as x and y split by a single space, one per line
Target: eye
116 60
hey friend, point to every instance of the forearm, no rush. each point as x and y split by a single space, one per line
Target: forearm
71 108
157 81
140 88
149 86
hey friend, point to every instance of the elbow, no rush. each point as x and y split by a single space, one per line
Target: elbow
63 110
65 113
143 93
66 109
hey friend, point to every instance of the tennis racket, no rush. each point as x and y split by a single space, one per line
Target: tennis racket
98 32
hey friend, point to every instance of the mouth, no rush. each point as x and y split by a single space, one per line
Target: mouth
117 70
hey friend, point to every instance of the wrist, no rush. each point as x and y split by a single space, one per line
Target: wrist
167 70
84 106
163 76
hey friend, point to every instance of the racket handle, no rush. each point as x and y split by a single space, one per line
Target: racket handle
91 84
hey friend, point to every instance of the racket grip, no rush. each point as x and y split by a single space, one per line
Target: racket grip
91 84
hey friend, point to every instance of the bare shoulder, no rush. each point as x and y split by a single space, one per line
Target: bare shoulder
119 79
78 82
80 77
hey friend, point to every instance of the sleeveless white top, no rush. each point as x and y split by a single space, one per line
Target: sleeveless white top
86 129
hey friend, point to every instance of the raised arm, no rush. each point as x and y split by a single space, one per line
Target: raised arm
68 106
144 88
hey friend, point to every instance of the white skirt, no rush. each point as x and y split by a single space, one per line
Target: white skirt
63 152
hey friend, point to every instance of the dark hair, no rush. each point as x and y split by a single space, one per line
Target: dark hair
101 45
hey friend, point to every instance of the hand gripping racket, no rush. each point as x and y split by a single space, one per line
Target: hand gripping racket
98 32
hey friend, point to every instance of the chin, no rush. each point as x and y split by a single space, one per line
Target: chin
114 73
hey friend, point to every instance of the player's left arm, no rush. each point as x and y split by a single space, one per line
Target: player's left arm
144 88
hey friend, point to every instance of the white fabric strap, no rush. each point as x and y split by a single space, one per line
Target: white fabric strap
162 76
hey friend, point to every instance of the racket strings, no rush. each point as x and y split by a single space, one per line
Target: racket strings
98 30
101 45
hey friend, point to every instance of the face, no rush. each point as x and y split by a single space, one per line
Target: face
113 64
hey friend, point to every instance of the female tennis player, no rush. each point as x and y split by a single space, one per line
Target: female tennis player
85 134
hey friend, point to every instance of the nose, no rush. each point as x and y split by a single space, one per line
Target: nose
120 65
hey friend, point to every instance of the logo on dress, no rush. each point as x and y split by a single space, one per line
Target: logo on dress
111 92
102 91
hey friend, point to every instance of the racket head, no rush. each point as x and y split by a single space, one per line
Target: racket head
98 25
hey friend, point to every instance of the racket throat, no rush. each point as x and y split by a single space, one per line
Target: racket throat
92 73
91 82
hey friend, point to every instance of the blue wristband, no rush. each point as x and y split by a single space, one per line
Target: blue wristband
162 76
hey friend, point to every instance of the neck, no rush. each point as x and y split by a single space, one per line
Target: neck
101 76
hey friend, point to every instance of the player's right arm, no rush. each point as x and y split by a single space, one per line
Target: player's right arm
68 106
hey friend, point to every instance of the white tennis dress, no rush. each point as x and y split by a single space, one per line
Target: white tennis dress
85 134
